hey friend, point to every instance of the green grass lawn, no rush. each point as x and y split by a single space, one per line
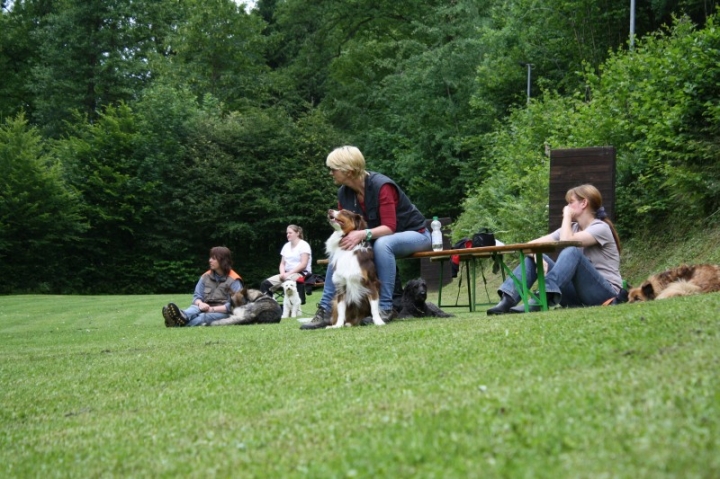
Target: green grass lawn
98 387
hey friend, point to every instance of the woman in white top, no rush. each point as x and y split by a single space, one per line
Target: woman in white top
296 260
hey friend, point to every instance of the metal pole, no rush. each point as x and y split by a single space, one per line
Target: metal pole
529 70
632 24
529 67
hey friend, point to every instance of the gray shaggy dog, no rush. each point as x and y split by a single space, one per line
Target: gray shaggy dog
252 306
414 304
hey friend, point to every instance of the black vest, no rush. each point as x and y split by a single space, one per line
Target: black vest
408 216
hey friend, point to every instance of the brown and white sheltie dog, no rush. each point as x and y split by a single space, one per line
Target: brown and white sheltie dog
357 287
681 281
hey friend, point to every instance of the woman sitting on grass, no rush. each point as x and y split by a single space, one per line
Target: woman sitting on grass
586 276
211 300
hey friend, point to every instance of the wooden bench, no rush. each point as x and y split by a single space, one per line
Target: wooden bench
497 254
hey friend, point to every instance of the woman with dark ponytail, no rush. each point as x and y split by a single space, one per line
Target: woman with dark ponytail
585 276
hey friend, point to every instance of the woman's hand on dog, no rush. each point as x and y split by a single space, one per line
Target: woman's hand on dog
352 239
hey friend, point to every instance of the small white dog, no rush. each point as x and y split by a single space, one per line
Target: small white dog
291 301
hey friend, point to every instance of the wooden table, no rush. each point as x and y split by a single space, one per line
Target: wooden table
497 254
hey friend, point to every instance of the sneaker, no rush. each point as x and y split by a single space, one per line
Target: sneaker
173 315
322 319
386 315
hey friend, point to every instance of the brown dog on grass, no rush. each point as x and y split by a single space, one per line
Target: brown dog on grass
357 287
681 281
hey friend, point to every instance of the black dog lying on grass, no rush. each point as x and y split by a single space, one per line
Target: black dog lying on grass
414 304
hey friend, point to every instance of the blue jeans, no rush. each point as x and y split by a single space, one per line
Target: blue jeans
198 318
571 281
386 249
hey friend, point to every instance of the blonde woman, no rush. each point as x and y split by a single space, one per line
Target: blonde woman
396 227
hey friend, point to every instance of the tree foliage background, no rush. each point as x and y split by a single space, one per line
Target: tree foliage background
135 135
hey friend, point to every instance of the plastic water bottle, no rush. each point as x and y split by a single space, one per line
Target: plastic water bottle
437 240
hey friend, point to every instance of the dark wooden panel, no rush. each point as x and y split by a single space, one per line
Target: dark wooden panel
576 166
430 271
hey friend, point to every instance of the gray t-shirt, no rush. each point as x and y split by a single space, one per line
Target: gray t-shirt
604 255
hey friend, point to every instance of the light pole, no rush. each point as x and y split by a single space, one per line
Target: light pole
529 70
632 24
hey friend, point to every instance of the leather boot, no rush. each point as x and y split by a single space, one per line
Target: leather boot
503 307
321 320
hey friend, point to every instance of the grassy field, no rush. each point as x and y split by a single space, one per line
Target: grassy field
98 387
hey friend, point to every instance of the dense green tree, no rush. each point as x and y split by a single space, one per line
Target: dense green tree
167 179
39 213
248 176
313 34
18 52
657 105
662 100
220 50
181 124
125 165
94 53
557 39
118 199
405 99
396 78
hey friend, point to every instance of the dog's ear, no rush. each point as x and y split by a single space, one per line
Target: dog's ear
239 298
359 222
648 290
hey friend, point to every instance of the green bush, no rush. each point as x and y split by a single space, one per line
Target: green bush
657 105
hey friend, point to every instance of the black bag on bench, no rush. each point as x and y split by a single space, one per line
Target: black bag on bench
484 237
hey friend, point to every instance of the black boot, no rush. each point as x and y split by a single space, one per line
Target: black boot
265 287
503 307
322 320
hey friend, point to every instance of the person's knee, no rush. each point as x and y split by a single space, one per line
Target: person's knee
383 246
572 252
